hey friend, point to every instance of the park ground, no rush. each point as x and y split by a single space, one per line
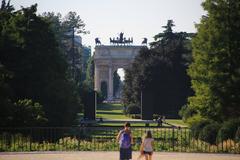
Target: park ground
111 156
115 112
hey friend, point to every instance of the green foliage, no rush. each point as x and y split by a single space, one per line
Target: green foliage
90 74
79 139
209 133
30 51
28 113
104 90
100 97
133 109
197 124
116 82
5 95
72 20
64 30
228 129
161 70
237 135
215 69
187 112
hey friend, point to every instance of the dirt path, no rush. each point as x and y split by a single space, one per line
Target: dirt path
111 156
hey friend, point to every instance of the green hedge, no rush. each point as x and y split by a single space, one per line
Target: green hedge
209 133
229 129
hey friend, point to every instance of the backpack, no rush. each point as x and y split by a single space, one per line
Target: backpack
125 140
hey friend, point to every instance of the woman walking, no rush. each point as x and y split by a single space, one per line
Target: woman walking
146 148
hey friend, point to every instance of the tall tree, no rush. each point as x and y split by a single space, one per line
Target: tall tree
215 70
65 30
161 71
116 83
90 74
29 50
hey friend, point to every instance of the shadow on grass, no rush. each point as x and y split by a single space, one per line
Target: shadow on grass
110 107
110 113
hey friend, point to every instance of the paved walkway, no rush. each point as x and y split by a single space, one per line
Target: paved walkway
112 156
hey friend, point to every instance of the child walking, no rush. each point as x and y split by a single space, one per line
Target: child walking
146 148
125 140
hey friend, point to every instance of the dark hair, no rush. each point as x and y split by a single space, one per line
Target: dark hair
127 124
148 134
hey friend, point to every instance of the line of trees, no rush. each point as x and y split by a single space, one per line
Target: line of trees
161 72
37 85
214 110
208 63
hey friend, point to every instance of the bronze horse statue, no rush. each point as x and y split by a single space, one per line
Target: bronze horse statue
121 40
144 41
97 41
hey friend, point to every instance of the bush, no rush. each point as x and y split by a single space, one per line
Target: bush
100 97
133 109
186 112
28 113
197 123
209 133
237 135
228 129
156 116
136 116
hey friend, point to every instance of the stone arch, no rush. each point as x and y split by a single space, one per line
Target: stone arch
107 59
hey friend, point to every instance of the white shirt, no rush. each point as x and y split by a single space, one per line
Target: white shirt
147 144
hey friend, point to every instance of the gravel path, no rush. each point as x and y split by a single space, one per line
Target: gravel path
111 156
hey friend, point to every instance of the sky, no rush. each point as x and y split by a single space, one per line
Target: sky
135 18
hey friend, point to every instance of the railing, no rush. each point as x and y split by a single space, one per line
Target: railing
104 139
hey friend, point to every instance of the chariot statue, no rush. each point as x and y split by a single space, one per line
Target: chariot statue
121 40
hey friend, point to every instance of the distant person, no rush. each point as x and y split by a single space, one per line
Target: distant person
125 140
163 119
146 148
159 121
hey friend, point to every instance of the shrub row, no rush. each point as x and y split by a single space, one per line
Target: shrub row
213 132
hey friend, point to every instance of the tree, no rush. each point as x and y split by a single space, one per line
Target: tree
90 74
27 113
215 69
29 50
116 83
161 72
65 30
5 97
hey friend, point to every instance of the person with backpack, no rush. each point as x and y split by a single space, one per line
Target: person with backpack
125 140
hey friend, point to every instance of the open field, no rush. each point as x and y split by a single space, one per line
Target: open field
110 111
115 111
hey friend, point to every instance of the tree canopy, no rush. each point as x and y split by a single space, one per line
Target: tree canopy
215 73
33 67
161 71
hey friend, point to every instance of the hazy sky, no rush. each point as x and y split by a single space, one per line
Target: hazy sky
136 18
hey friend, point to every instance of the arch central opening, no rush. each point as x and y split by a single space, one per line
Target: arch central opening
118 78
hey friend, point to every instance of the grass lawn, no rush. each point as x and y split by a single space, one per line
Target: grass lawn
176 122
110 111
115 111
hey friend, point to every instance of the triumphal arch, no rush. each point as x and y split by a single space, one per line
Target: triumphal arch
108 58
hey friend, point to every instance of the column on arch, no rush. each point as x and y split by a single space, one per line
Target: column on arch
96 78
110 83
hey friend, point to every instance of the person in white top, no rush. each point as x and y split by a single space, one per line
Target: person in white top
146 148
